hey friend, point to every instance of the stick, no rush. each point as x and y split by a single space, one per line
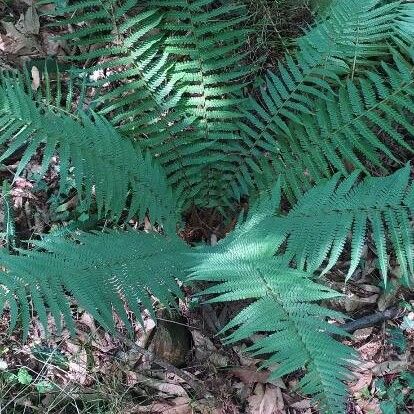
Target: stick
371 320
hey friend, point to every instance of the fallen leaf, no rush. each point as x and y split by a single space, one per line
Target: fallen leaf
364 380
390 367
266 400
301 405
180 405
14 41
250 376
162 386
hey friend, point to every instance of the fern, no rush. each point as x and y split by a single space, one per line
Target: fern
317 227
142 97
345 128
205 41
102 271
162 123
8 235
297 334
308 82
103 162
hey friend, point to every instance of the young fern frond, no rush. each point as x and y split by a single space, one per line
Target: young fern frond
101 271
104 163
283 307
317 227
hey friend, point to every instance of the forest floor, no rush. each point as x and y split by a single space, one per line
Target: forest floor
180 366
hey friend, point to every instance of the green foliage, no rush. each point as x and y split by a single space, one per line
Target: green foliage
101 161
319 225
9 234
243 266
101 271
306 112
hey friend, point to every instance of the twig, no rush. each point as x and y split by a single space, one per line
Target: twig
194 383
371 320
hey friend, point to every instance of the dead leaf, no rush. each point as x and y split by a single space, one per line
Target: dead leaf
180 405
301 405
77 368
390 367
364 380
251 375
362 334
14 41
266 400
31 21
35 78
162 386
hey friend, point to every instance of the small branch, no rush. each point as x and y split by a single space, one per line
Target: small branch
193 382
371 320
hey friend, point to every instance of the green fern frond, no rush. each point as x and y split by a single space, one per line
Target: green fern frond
325 129
205 39
283 307
366 121
103 163
318 226
102 271
355 35
120 54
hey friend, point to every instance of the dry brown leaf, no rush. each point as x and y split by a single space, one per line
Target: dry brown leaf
371 406
14 41
250 376
162 386
266 400
301 405
78 368
390 367
180 405
363 333
364 380
353 302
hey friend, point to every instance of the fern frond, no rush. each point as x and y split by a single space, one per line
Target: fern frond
327 129
318 226
283 307
101 271
205 40
119 52
103 162
355 35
